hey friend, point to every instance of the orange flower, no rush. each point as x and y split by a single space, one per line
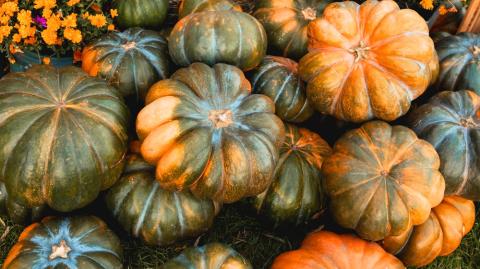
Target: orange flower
24 17
73 35
85 15
9 8
98 20
427 4
72 2
25 31
17 38
45 4
113 13
30 41
77 56
5 31
70 21
442 10
46 13
111 27
54 23
96 8
4 19
50 37
46 60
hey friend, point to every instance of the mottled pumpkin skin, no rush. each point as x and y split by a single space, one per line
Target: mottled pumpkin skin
211 37
157 216
367 61
63 137
459 62
148 14
327 250
286 23
440 235
18 213
210 256
188 7
207 133
92 245
131 61
382 180
296 192
277 78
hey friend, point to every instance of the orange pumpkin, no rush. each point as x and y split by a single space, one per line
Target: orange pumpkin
327 250
367 61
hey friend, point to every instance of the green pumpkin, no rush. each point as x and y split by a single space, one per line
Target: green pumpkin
459 57
157 216
63 136
18 213
286 23
211 37
277 78
67 243
210 256
148 14
450 121
194 6
296 192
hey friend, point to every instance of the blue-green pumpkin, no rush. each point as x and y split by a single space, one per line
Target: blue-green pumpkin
148 14
18 213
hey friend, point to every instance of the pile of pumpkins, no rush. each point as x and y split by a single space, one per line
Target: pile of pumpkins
221 128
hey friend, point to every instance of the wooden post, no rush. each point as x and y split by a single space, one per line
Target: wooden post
471 22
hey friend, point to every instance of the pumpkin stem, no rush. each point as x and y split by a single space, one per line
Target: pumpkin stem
221 118
360 52
129 45
309 13
61 250
468 123
475 50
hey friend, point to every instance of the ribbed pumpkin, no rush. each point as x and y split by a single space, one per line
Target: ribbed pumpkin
450 121
211 37
296 192
210 256
206 132
148 14
367 61
157 216
277 78
63 137
382 180
16 212
69 243
459 62
327 250
286 23
193 6
440 235
131 61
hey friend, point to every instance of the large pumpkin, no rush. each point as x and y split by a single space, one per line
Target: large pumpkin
367 61
157 216
277 77
70 243
131 61
63 137
459 62
16 212
327 250
141 13
210 256
206 132
440 235
286 23
211 37
450 121
382 180
193 6
296 192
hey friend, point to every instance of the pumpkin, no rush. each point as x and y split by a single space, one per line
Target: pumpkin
211 37
277 78
440 235
459 57
157 216
450 121
141 13
450 21
382 180
18 213
63 137
286 23
210 256
367 61
131 61
296 192
70 243
193 6
328 250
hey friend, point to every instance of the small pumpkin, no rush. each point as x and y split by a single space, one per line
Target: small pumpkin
277 78
296 192
188 7
211 37
382 179
459 57
205 132
63 139
440 235
328 250
157 216
148 14
18 213
210 256
131 61
70 243
286 23
367 61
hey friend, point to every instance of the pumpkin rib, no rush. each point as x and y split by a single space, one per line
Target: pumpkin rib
141 217
467 163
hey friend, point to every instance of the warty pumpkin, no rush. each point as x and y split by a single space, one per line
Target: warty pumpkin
327 250
63 136
440 235
367 61
18 213
382 180
188 7
148 14
205 132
